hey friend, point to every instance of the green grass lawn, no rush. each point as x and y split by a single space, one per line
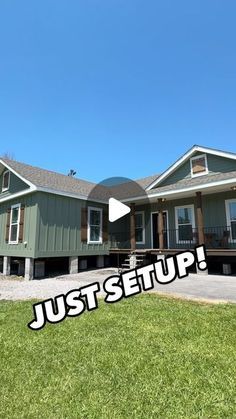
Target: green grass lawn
145 357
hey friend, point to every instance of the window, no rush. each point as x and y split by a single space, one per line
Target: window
185 223
14 224
94 225
199 165
139 227
231 218
5 181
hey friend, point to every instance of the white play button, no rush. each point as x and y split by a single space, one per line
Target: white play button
117 209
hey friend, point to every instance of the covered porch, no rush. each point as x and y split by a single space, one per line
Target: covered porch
195 221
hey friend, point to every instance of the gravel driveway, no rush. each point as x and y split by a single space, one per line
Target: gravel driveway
201 287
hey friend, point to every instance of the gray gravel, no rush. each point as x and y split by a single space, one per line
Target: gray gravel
199 287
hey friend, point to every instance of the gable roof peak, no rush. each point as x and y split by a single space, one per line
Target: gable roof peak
188 155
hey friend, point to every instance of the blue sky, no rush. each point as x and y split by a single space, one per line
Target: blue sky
116 87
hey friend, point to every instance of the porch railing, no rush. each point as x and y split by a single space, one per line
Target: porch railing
221 237
184 238
215 237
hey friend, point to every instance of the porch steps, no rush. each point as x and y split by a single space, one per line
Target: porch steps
133 261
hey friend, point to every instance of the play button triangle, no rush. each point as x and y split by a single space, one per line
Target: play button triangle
117 210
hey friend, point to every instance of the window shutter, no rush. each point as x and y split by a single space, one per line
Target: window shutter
8 225
105 226
21 225
84 224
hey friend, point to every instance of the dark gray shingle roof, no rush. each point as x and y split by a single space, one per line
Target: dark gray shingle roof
191 182
69 185
60 183
51 180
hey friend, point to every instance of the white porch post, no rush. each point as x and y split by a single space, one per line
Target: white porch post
29 268
6 265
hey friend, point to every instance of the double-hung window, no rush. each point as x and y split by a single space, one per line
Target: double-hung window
185 223
231 218
139 227
94 225
14 224
5 181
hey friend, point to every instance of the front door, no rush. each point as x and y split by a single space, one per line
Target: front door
155 236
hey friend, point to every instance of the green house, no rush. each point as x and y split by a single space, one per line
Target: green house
49 220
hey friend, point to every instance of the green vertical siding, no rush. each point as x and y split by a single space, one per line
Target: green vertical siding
20 249
214 208
59 227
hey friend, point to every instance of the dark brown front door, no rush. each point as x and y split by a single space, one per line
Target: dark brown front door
155 237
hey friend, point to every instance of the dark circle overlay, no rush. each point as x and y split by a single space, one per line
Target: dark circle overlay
125 190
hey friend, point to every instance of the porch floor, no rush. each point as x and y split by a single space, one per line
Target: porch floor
210 251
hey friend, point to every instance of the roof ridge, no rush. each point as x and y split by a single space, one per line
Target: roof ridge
8 161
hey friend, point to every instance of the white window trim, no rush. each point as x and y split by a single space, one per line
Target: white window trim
143 226
177 224
228 220
18 224
167 227
6 189
88 229
200 156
